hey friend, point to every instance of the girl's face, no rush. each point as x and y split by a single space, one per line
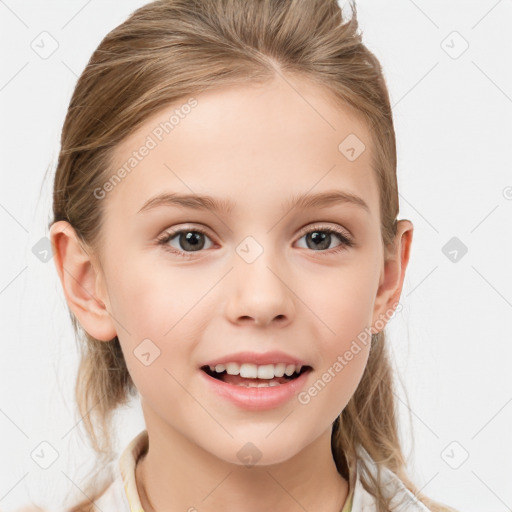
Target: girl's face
255 275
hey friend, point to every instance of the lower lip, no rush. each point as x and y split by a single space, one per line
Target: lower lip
257 399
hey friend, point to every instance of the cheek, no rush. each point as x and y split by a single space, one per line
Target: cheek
151 299
342 300
158 314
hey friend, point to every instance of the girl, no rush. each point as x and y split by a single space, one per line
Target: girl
225 231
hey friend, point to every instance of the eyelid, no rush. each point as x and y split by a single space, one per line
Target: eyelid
172 232
320 226
302 231
346 239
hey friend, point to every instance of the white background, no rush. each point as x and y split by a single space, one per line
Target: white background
452 341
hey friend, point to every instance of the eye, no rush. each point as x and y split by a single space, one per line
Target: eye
319 238
190 240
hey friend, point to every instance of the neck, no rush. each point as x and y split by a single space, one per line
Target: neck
177 475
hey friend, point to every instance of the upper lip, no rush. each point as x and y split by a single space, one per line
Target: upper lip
273 357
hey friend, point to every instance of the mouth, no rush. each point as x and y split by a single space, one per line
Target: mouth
255 376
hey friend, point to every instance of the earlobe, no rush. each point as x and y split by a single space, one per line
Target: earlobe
390 288
81 282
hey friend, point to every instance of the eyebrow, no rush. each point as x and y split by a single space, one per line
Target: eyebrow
205 202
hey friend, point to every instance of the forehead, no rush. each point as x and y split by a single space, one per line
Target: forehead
249 143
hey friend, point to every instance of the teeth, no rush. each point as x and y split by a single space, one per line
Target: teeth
289 369
270 384
249 371
252 371
232 368
266 371
279 369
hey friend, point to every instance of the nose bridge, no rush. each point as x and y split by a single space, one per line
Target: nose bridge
258 286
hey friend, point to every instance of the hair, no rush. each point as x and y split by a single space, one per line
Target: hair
169 50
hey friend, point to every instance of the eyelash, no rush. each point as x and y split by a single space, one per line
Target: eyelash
346 242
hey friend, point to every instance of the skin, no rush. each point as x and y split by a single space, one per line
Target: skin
255 145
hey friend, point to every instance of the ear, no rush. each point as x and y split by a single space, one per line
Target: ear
82 282
392 275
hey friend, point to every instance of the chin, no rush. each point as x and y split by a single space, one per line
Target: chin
253 451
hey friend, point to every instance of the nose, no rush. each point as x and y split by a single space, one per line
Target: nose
259 293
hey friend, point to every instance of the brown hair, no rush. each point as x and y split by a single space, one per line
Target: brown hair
168 50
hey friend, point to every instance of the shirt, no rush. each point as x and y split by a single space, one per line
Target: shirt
122 494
